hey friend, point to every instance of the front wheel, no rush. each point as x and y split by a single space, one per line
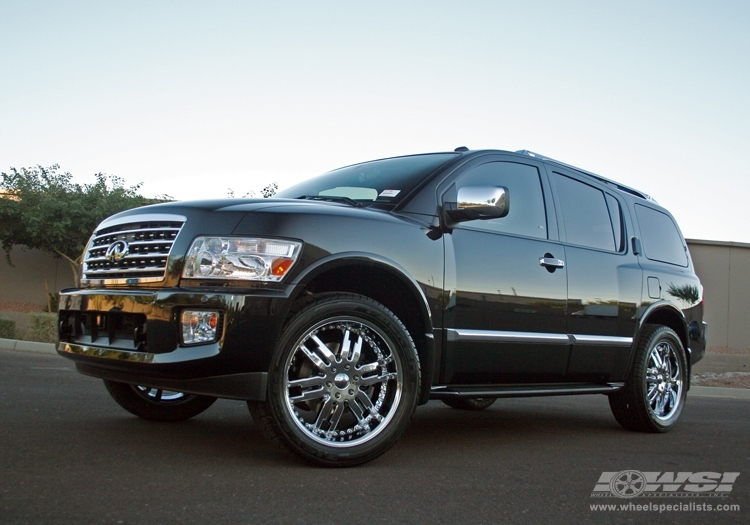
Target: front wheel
654 395
344 382
157 404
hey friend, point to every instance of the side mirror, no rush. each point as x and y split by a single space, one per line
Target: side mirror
480 203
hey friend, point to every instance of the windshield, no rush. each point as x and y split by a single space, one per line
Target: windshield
386 181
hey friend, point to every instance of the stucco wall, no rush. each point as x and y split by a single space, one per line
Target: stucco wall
24 282
723 268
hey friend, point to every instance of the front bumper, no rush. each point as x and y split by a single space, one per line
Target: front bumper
133 336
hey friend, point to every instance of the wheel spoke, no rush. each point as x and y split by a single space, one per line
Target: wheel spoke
323 349
382 378
652 393
365 400
672 399
663 403
336 416
357 351
312 356
345 345
308 395
668 364
657 358
356 410
370 367
674 372
325 413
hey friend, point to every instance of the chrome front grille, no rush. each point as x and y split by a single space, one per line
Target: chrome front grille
131 250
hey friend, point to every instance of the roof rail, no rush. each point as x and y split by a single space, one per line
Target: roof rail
605 180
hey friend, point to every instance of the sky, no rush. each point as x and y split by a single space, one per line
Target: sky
194 99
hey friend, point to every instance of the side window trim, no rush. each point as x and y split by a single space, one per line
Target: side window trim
617 220
552 228
551 170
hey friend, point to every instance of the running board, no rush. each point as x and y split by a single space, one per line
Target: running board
442 392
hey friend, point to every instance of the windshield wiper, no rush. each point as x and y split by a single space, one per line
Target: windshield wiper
332 198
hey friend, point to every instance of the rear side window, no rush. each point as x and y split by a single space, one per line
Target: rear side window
660 236
527 215
590 218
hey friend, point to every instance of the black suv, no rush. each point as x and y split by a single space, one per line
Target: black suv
337 307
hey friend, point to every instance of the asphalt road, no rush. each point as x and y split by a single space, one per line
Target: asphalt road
69 454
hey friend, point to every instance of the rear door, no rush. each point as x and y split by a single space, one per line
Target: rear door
604 277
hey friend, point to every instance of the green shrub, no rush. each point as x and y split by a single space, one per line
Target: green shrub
7 328
42 328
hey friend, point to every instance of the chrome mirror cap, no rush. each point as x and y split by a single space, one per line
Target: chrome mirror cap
480 203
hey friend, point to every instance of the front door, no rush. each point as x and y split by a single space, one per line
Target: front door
506 286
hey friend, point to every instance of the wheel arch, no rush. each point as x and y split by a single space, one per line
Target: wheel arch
666 314
386 282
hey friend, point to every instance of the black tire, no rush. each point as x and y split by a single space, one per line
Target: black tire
654 395
472 403
344 382
157 404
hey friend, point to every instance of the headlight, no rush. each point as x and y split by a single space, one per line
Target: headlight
240 258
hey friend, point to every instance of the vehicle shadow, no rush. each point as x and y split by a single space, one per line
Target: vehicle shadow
226 431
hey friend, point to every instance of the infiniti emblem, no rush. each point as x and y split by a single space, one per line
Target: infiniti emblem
116 251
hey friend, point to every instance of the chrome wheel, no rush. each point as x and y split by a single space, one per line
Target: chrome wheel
654 395
157 404
343 382
663 381
157 395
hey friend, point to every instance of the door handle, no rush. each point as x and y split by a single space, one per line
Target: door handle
551 262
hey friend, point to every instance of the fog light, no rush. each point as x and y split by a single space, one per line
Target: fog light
199 326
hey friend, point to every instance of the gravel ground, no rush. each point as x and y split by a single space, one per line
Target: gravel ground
729 351
728 379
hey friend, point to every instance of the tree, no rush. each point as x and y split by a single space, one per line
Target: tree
270 190
267 192
42 208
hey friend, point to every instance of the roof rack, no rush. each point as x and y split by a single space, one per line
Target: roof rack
605 180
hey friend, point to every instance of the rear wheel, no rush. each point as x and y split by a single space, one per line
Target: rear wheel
344 382
157 404
475 403
653 398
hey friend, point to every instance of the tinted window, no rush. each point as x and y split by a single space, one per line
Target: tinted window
526 216
660 237
387 180
587 218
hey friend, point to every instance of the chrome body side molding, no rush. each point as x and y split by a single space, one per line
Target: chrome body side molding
493 336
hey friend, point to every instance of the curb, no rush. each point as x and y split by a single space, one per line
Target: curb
719 392
27 346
